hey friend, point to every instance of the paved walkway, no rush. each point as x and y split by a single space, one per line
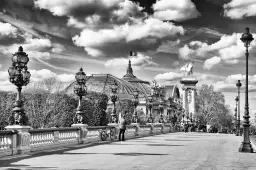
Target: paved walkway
174 151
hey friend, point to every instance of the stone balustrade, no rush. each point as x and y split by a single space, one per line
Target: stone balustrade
24 139
8 139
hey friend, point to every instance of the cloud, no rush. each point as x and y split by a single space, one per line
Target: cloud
39 75
170 76
209 63
93 13
239 9
229 83
140 61
36 75
34 47
171 10
229 49
140 37
7 29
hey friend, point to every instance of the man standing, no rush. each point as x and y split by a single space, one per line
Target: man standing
122 126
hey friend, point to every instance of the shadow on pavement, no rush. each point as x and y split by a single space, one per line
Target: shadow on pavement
146 144
122 154
178 140
27 167
139 154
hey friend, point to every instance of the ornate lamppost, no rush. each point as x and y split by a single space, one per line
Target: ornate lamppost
238 85
161 108
237 124
150 105
246 144
135 104
19 76
80 90
114 97
235 121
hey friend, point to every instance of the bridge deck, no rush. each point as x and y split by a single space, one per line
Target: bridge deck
199 151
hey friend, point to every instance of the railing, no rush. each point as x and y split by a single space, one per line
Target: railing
41 139
47 138
8 143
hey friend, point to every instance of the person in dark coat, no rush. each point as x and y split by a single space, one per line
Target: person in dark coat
122 126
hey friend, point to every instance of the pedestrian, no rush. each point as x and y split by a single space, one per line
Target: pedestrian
122 126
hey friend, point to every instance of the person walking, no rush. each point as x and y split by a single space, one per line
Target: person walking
122 126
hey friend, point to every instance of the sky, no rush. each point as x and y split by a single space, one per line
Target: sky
60 36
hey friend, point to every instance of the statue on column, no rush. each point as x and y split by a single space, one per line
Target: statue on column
187 69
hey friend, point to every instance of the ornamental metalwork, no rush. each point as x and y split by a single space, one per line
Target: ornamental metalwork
114 98
135 104
80 90
19 76
150 106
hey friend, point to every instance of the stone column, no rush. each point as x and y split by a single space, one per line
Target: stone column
81 133
193 103
185 98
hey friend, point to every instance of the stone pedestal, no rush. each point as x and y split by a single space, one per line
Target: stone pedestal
82 133
137 125
152 127
23 138
189 84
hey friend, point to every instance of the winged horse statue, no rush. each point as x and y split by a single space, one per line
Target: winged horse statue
188 68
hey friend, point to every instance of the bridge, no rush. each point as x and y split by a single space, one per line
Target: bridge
155 146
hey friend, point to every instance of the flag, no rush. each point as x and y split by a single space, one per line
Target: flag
132 53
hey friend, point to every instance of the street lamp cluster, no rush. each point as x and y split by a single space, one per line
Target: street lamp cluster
80 90
19 76
114 98
135 104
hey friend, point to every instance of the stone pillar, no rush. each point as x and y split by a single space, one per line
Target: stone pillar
82 132
185 98
23 138
193 103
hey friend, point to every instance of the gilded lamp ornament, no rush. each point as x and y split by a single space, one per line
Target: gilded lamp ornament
80 90
114 98
135 104
19 76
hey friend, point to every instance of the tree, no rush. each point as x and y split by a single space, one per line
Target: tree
211 108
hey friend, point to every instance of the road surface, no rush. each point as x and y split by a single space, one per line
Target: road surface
173 151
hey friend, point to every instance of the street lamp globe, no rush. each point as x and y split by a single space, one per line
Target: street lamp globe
247 37
20 58
80 76
238 84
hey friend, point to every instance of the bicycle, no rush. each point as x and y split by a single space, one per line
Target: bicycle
104 135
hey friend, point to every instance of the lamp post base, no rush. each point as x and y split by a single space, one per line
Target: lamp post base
246 147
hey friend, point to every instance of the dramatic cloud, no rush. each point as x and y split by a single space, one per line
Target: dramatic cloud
88 13
209 63
228 49
34 47
238 9
139 61
139 37
229 83
175 11
170 76
7 29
